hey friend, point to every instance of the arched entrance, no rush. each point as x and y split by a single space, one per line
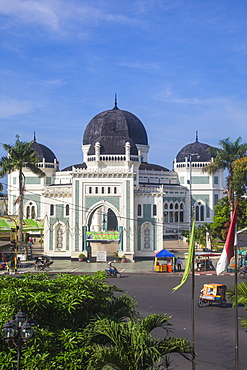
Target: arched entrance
103 233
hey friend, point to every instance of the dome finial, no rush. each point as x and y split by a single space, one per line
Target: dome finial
34 137
196 136
115 106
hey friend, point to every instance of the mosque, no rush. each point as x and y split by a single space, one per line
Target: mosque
116 200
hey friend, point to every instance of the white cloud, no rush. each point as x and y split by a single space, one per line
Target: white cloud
56 15
55 82
142 66
14 107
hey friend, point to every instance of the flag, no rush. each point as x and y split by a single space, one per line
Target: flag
231 241
190 257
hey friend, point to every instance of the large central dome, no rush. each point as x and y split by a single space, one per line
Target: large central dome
112 129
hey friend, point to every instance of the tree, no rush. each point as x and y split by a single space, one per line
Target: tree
221 220
224 160
21 155
242 299
240 176
71 312
130 345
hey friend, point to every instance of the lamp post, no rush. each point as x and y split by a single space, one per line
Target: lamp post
18 331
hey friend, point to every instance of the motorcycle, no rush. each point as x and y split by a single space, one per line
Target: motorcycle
242 274
114 273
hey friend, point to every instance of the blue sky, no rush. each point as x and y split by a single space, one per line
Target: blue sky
180 66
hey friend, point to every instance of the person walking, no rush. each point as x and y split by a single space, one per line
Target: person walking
179 264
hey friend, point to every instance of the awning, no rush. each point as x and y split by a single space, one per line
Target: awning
163 253
28 225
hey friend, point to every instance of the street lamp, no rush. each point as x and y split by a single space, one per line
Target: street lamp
18 331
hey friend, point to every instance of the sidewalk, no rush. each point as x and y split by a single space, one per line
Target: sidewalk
76 267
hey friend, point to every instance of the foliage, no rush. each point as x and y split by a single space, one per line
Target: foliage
242 299
202 231
20 155
240 176
130 345
221 220
71 311
224 160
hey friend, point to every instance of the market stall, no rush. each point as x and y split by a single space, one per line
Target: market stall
164 261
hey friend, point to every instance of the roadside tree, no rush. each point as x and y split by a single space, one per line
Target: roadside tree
225 158
20 155
71 311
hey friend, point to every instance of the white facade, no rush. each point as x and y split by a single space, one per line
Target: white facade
114 201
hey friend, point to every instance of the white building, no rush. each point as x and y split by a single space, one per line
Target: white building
115 200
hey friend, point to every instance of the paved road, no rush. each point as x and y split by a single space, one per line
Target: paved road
215 334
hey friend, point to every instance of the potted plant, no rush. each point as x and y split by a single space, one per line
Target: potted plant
81 257
115 256
124 258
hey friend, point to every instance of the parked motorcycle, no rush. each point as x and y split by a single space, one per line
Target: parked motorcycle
114 273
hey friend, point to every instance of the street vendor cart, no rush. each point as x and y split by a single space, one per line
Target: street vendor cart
164 261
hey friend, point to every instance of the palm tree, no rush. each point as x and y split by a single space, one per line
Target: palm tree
242 299
130 345
21 155
224 160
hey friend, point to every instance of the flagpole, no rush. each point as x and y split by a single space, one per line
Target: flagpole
236 310
191 216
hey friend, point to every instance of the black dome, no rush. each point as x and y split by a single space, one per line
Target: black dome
197 148
43 152
112 129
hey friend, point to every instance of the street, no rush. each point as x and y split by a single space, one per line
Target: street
214 326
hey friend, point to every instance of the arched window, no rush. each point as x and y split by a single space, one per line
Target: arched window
33 214
28 212
139 210
202 213
67 210
170 216
200 210
154 210
171 206
52 210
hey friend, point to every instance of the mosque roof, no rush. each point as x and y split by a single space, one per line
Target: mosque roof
43 152
112 129
80 165
199 151
152 167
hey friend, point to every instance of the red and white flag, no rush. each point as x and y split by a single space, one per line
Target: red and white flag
231 241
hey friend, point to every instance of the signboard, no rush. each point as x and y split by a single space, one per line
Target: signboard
102 235
101 256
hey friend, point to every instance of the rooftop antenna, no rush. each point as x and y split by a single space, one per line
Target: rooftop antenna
196 136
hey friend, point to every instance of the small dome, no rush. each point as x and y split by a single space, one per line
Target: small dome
201 154
152 167
80 166
43 152
112 129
